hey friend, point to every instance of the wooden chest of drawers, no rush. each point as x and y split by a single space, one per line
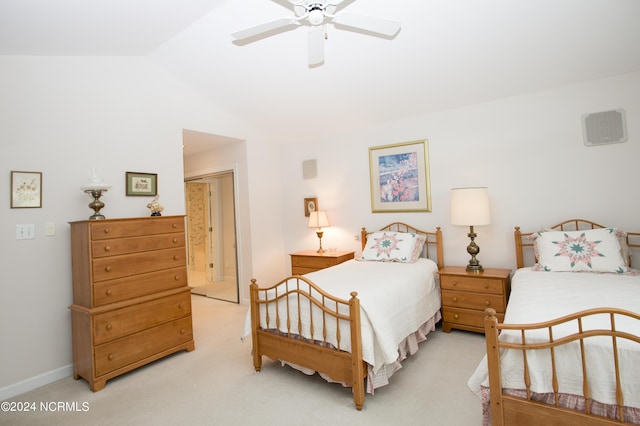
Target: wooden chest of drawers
131 302
465 296
307 261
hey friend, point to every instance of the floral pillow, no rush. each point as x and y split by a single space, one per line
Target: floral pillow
593 250
393 247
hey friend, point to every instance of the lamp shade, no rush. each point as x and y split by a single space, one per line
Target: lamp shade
318 219
470 206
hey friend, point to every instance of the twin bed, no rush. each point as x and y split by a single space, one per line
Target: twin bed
357 320
568 351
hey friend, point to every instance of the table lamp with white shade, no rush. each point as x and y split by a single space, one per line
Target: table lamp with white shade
470 207
318 219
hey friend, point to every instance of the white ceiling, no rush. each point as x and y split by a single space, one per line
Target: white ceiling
449 53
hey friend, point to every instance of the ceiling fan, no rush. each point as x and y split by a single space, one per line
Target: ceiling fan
315 14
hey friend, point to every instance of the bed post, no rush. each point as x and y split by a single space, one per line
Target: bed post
356 351
518 237
363 237
255 324
493 361
440 250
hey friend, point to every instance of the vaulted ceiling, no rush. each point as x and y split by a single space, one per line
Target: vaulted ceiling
448 53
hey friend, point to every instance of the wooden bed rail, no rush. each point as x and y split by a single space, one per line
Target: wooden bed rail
280 339
513 410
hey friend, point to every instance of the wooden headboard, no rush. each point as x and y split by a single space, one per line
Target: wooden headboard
432 239
523 242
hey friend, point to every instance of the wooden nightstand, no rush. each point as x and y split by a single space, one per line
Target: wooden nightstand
465 296
307 261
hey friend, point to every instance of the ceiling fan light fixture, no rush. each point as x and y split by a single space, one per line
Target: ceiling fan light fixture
316 17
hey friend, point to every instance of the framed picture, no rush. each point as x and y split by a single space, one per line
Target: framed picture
26 190
142 184
400 177
310 205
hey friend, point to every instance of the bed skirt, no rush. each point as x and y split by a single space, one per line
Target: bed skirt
572 402
408 346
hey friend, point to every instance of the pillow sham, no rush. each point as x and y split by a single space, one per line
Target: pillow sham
386 246
593 250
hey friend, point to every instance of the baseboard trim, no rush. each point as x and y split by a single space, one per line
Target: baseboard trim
35 382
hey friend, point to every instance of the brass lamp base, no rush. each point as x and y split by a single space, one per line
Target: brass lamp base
96 204
473 249
319 234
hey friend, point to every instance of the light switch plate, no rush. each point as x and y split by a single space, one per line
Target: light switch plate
49 229
25 232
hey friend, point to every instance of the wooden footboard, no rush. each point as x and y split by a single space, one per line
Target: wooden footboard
278 332
507 409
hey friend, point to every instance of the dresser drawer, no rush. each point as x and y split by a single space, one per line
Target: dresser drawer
466 317
477 284
108 268
101 230
478 301
313 262
120 289
114 247
132 319
123 352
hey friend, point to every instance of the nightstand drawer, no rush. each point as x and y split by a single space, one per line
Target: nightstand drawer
459 318
307 261
469 300
313 262
477 284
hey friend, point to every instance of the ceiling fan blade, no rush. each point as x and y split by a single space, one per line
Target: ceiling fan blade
368 23
316 45
263 28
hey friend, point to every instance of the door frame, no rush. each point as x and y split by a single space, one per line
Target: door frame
232 168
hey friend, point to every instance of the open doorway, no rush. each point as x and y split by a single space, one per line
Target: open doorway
211 236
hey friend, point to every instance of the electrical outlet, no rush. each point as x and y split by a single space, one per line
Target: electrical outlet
357 237
49 229
25 232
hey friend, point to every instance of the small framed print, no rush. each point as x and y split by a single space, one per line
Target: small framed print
26 190
144 184
310 205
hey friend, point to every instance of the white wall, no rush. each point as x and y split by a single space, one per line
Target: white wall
527 149
61 116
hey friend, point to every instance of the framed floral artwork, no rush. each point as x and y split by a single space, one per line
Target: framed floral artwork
399 176
26 190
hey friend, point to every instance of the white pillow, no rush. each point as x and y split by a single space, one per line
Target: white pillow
593 250
393 247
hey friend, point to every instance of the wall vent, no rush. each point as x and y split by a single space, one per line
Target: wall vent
601 128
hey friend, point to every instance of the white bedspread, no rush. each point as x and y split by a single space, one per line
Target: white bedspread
395 300
538 296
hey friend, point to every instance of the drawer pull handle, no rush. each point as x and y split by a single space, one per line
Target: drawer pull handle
106 230
487 303
175 240
109 327
107 248
455 299
177 277
109 292
486 285
175 257
181 306
454 282
173 225
110 357
456 316
182 331
107 268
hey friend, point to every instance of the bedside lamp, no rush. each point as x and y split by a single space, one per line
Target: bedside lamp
470 207
318 219
95 188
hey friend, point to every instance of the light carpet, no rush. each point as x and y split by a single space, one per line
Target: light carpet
217 385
